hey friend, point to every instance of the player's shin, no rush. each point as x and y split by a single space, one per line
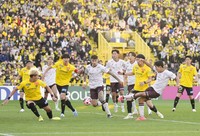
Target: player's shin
141 109
62 106
105 105
69 105
34 109
21 101
154 109
49 114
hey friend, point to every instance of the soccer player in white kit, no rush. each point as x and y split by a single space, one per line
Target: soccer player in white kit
131 83
116 65
95 72
154 91
49 79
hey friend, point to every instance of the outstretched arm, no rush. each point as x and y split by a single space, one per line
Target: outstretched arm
11 94
112 74
43 75
147 63
47 70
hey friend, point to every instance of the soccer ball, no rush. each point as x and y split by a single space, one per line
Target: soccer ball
87 101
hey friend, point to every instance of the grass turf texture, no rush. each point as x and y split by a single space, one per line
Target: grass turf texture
93 122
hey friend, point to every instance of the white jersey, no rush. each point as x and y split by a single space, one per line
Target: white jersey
95 75
50 77
115 67
129 69
162 80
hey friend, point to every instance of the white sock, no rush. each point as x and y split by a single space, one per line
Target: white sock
141 111
115 104
105 105
99 103
149 110
122 105
134 106
56 104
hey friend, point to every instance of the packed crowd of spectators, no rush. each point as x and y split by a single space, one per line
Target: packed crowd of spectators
33 30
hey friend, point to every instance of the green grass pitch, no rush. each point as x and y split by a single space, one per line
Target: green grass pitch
93 122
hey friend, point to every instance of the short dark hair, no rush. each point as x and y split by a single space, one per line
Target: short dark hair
94 57
141 56
117 51
188 57
65 56
159 63
50 57
28 61
132 53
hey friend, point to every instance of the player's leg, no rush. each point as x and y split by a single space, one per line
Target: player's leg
151 93
54 89
141 101
108 89
135 95
129 103
104 103
31 105
42 103
179 94
121 88
94 97
114 95
21 100
67 101
62 98
190 94
153 108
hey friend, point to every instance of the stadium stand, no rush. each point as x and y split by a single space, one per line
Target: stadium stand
32 30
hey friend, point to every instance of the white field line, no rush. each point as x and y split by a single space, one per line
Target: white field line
162 120
3 134
101 132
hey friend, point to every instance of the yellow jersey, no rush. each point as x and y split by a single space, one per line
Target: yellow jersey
141 74
107 78
32 89
187 75
63 73
24 73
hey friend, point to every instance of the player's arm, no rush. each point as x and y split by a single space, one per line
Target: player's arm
148 64
146 81
125 73
50 67
51 93
112 74
11 94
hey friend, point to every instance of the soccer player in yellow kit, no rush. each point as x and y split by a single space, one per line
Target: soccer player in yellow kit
143 76
33 95
185 79
24 75
64 72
